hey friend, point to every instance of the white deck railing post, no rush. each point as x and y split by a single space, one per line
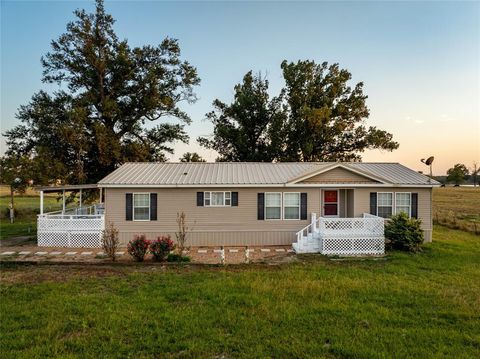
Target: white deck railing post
314 222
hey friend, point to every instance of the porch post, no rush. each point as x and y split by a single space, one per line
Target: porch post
63 201
41 202
80 197
101 195
314 222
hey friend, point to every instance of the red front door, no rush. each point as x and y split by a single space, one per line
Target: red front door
330 203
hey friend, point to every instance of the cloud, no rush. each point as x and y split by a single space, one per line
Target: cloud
445 118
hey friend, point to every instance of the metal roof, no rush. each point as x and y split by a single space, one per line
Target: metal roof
67 187
249 173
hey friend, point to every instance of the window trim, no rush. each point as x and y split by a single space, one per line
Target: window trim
265 207
410 205
299 206
392 206
133 206
210 199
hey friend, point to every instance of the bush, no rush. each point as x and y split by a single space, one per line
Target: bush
110 241
404 233
161 247
138 247
173 257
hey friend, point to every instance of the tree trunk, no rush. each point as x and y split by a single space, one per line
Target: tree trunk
12 204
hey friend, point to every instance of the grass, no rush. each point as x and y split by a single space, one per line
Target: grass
26 219
27 207
457 207
425 305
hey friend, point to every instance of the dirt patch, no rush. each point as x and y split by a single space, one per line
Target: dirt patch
18 241
32 274
47 271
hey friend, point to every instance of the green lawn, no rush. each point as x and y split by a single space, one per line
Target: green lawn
424 305
27 206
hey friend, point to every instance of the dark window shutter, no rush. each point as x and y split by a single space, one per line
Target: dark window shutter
414 205
200 199
373 203
153 206
128 206
234 199
261 206
303 206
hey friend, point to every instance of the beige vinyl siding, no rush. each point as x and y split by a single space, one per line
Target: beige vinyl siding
217 226
362 204
350 202
338 175
209 225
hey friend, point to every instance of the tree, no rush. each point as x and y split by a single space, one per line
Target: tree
16 172
247 129
110 91
316 117
457 174
326 116
191 157
475 171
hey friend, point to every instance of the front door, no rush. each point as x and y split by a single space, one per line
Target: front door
330 203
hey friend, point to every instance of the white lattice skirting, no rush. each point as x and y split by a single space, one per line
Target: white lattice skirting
70 231
353 246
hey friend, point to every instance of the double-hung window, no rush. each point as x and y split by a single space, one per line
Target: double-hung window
273 205
403 203
384 204
291 205
217 199
141 206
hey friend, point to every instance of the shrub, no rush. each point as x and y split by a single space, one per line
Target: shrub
181 235
161 247
404 233
173 257
110 241
138 247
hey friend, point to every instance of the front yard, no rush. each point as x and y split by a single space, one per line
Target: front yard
424 305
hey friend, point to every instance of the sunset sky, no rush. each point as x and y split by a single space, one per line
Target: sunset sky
419 60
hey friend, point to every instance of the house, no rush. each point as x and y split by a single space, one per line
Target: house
310 205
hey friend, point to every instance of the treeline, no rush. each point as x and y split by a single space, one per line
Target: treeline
461 174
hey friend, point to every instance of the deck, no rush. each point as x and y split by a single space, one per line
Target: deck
342 236
77 227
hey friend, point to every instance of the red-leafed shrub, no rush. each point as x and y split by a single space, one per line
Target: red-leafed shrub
138 247
161 247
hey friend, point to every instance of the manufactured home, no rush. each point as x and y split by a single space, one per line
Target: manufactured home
332 208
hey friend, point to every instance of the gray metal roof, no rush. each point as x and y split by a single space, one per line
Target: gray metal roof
248 173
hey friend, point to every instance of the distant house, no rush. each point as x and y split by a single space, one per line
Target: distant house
317 207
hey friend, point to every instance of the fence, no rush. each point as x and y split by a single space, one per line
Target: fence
63 230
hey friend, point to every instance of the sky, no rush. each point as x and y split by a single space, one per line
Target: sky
419 61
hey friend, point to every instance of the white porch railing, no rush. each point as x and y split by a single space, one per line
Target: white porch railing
76 227
343 236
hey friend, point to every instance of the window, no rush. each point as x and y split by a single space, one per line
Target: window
217 199
141 206
403 203
291 206
384 204
273 205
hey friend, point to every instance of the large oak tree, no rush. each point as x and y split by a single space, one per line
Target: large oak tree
110 91
248 129
318 116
